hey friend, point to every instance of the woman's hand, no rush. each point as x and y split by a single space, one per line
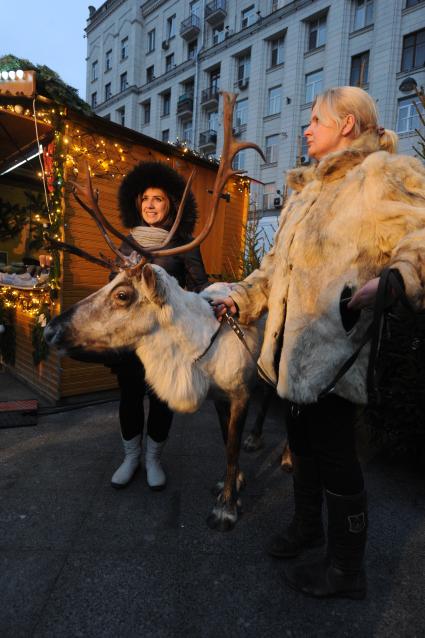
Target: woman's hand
221 306
365 296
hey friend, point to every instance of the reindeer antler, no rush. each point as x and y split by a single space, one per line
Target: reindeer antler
230 148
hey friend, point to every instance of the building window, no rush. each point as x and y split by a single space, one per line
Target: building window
123 81
94 70
244 66
412 3
124 48
166 103
239 163
413 56
218 34
276 51
151 41
191 49
408 117
316 33
171 27
248 16
108 91
273 100
272 148
313 85
146 112
241 112
150 75
108 60
121 116
213 121
94 100
214 80
302 146
363 13
107 117
359 74
195 8
169 62
165 135
187 132
269 195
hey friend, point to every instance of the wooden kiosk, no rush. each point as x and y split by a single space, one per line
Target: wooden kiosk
69 138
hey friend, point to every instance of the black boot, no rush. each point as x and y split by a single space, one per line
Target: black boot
341 573
306 529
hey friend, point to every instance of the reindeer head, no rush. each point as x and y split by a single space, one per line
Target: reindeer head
115 318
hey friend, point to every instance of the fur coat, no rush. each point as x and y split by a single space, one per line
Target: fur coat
349 216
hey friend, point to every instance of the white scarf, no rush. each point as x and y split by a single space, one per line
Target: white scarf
149 236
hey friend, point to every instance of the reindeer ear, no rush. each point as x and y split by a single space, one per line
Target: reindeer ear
153 286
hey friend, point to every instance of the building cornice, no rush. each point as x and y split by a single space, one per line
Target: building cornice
150 6
262 23
104 11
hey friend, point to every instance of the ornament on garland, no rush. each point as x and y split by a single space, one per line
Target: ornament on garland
40 348
7 334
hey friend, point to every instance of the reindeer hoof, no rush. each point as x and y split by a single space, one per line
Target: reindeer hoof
223 519
253 442
217 488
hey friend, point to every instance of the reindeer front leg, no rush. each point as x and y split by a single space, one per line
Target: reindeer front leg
232 420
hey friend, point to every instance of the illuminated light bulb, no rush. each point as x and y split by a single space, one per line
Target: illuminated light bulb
5 75
20 74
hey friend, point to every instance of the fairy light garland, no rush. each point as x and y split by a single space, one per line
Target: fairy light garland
28 301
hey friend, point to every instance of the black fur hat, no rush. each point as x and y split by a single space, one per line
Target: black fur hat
155 175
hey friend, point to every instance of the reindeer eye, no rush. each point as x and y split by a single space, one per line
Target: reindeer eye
122 296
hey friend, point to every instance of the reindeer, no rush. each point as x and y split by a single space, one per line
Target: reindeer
186 352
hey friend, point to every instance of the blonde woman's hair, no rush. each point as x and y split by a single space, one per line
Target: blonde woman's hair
337 103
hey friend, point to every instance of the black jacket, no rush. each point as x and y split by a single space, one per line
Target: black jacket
187 268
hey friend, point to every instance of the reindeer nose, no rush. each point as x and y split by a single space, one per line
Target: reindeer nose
53 333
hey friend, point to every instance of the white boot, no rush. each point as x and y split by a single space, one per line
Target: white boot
154 473
131 463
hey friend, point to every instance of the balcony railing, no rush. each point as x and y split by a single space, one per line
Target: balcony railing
209 96
215 12
190 27
242 84
208 139
185 104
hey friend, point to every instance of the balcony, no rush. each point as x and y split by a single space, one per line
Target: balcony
215 12
209 96
190 28
242 84
185 105
208 140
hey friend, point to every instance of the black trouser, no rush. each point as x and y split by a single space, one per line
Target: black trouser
326 431
131 380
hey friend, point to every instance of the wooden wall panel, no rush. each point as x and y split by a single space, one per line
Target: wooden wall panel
44 377
221 250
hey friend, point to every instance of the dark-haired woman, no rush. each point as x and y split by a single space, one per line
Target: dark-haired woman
148 198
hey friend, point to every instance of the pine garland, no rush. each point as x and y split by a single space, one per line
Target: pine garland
40 348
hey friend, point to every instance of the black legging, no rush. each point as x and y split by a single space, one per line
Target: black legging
325 431
131 380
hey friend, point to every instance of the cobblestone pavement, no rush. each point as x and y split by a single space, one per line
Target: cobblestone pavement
78 558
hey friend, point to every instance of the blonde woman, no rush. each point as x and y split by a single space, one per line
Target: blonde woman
357 209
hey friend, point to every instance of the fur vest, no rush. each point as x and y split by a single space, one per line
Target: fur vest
355 212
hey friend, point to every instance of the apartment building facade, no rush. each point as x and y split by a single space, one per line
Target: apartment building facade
158 67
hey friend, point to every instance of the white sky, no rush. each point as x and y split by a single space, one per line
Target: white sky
48 32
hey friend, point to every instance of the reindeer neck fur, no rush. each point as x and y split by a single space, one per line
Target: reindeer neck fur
184 327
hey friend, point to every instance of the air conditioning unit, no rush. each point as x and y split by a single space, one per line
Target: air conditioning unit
228 32
165 45
277 202
243 84
244 23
